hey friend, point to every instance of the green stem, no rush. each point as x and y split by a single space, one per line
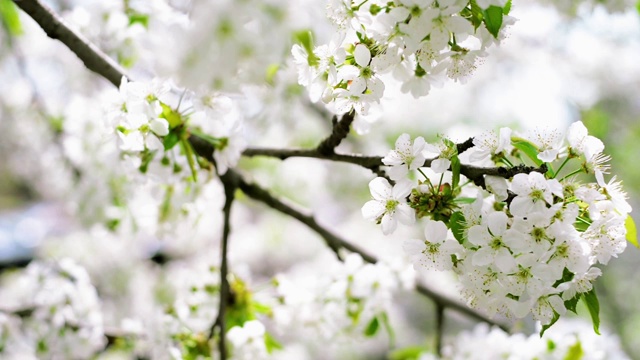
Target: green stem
562 165
583 220
357 7
423 174
506 161
571 174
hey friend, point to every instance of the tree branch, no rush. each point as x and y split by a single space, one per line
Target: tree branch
56 28
230 184
339 133
439 328
336 243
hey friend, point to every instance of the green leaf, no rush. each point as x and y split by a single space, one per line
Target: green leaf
270 343
305 38
136 18
372 328
173 117
272 71
408 353
632 233
456 224
575 352
638 6
10 17
555 318
507 8
493 20
476 14
591 299
528 148
170 140
566 277
572 303
455 169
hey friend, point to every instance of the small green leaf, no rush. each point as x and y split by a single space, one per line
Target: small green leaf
493 20
591 299
632 233
507 8
136 18
572 303
408 353
305 38
476 14
170 140
456 224
555 318
173 117
372 328
528 148
272 71
575 352
455 169
567 276
270 343
10 17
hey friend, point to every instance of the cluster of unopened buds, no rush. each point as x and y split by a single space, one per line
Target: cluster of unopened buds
526 238
419 42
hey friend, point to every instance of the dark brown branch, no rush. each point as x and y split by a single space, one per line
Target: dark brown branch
368 162
15 263
229 181
464 146
439 328
56 28
339 133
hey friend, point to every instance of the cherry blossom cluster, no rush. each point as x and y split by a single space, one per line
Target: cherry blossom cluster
354 299
522 243
51 310
419 42
155 136
569 339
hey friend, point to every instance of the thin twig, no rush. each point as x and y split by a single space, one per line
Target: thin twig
230 185
369 162
339 133
439 328
55 27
